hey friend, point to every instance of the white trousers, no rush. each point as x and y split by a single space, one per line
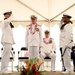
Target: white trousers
53 58
67 60
5 56
33 52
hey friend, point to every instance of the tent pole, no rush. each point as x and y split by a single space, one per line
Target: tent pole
49 1
31 9
62 12
59 20
27 21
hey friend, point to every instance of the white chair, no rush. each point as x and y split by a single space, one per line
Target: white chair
21 57
47 60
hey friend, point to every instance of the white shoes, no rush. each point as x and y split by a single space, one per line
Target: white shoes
6 72
69 72
53 71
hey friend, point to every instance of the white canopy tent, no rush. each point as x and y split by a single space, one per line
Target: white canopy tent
49 12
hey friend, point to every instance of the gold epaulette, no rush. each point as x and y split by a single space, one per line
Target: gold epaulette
27 25
39 25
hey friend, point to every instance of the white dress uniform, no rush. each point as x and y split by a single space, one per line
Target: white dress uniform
66 38
33 41
50 51
7 42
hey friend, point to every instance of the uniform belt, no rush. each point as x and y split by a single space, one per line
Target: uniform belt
51 52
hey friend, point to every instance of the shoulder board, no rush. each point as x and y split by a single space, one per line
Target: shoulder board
51 38
27 25
39 25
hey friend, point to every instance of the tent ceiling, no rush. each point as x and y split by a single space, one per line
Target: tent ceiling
44 9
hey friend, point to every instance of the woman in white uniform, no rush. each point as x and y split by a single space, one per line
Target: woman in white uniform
48 49
7 41
66 42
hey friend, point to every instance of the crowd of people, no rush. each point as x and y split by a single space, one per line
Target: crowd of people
35 42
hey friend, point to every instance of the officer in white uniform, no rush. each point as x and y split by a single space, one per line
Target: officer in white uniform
7 41
48 49
33 38
66 42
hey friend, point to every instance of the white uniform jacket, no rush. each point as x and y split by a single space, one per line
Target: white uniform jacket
7 34
48 48
66 36
33 39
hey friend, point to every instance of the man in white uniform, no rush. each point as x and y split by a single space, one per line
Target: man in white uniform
48 49
33 38
60 47
7 41
66 42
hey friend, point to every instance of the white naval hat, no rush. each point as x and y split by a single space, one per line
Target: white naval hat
66 15
33 17
7 12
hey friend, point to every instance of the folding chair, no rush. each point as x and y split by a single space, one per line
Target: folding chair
47 59
11 57
21 56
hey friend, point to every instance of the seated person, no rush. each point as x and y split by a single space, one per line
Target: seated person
48 49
